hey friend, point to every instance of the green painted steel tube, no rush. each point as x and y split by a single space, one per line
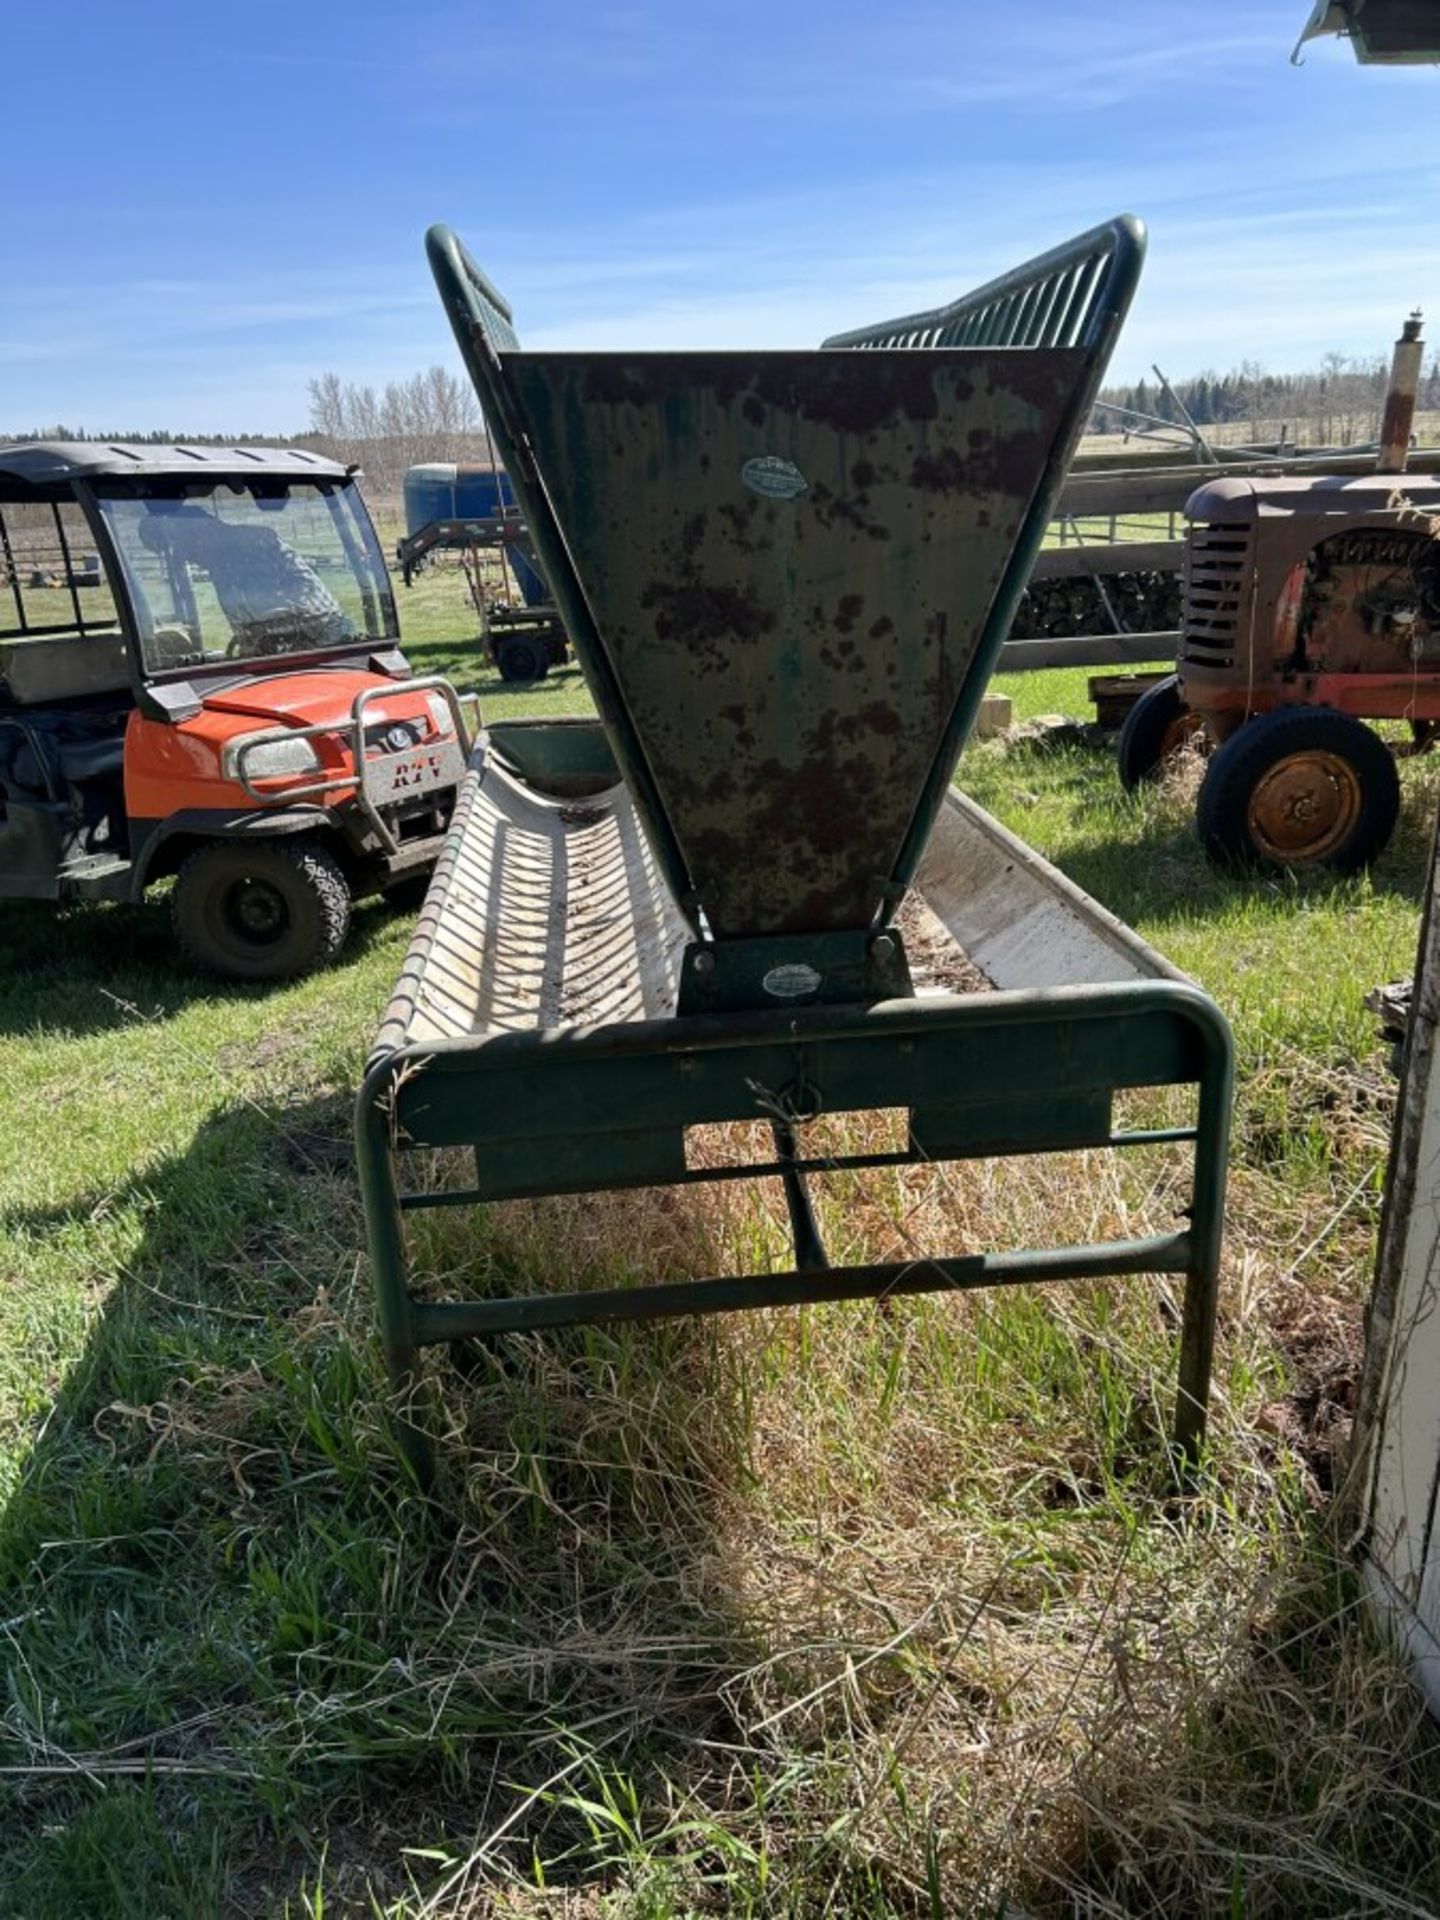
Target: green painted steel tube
459 1319
1196 1252
774 1169
399 1334
476 312
885 1019
1207 1222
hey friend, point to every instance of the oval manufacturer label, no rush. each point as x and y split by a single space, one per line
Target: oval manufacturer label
791 981
773 478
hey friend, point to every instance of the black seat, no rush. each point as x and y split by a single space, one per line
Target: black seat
40 757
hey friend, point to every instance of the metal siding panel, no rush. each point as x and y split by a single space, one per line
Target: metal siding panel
1398 1427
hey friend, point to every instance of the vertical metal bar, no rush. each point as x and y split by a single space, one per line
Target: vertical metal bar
1073 325
69 567
12 573
1050 293
1022 331
1207 1217
999 322
962 333
810 1254
395 1309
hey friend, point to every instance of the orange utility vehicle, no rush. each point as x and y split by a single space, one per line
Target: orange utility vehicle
200 678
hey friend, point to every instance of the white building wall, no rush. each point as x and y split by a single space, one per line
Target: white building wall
1398 1430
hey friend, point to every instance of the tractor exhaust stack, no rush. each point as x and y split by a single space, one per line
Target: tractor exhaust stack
1400 400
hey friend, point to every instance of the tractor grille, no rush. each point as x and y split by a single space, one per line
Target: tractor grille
1215 576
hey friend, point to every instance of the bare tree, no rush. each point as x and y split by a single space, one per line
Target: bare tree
431 416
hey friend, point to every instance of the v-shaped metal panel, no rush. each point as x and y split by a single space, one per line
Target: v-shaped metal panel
787 576
791 558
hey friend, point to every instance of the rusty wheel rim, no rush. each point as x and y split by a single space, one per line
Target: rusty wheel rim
1304 807
1184 728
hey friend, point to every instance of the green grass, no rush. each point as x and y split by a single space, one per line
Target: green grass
827 1612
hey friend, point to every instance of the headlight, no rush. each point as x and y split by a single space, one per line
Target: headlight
268 759
440 716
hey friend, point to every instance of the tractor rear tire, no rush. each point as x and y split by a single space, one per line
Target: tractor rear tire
522 658
1299 787
261 909
1157 726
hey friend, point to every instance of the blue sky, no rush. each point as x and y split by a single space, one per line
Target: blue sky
207 204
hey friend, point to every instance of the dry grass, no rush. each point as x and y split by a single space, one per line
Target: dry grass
889 1606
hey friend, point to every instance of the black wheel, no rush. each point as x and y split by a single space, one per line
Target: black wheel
261 910
1300 786
1158 725
519 657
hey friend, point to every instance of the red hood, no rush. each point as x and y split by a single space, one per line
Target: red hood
306 699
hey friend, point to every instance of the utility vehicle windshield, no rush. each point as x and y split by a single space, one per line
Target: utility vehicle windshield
247 570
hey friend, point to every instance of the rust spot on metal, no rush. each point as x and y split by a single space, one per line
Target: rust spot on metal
880 718
856 393
614 382
693 612
1399 419
848 612
738 517
829 507
692 535
942 472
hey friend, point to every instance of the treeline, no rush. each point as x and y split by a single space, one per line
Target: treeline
1338 403
434 415
152 437
431 416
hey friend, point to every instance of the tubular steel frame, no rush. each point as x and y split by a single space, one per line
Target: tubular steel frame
605 1108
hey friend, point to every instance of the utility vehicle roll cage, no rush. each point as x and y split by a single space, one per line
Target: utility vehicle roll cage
86 474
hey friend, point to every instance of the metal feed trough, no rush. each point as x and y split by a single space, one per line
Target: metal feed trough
787 576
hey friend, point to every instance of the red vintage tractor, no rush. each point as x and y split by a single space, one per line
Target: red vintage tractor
1310 608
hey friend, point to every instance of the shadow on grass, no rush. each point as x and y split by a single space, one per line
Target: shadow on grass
245 1657
246 1661
86 968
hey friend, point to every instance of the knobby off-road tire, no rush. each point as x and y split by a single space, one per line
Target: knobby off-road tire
1299 786
1158 725
261 910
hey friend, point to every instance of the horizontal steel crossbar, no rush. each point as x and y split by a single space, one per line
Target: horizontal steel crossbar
771 1169
462 1319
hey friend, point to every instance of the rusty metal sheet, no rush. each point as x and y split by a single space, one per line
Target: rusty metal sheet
789 558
